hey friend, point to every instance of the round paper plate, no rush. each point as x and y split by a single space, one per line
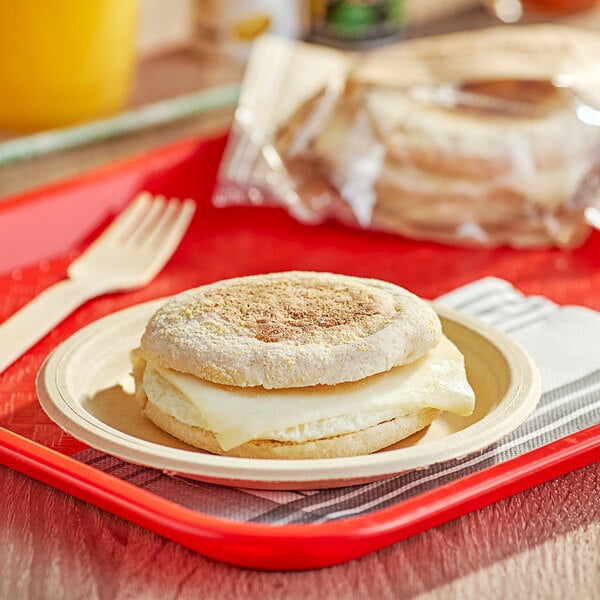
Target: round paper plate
85 387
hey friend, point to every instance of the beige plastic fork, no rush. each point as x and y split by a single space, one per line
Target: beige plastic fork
127 255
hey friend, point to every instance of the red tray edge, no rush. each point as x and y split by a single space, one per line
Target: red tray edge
315 545
164 152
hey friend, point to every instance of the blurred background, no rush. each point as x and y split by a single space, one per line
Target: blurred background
136 74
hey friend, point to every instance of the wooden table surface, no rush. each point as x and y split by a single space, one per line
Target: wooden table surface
543 543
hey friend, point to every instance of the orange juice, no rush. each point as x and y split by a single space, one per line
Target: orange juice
64 61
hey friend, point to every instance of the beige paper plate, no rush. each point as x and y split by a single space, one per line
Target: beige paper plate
85 387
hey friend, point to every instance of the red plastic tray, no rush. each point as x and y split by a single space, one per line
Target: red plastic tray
42 231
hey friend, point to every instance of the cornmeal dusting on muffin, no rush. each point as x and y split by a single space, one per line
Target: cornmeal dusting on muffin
292 310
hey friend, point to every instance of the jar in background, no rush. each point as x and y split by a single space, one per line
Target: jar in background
355 24
229 27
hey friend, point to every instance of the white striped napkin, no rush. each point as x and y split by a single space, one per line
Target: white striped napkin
562 340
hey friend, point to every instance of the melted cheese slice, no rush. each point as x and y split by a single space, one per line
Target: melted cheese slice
237 415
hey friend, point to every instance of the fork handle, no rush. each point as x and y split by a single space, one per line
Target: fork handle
32 322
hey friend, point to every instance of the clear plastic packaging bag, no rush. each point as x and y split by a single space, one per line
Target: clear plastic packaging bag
482 138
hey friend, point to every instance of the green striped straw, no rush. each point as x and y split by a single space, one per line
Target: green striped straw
150 115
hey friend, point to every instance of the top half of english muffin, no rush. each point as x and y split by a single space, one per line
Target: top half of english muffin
290 329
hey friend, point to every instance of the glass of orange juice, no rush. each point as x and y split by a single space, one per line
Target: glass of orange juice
64 61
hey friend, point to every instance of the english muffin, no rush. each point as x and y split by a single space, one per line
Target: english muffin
297 365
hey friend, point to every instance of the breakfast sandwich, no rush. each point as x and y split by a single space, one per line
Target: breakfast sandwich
297 365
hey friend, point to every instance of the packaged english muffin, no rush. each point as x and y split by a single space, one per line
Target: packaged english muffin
482 138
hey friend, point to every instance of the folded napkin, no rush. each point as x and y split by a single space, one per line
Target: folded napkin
563 342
